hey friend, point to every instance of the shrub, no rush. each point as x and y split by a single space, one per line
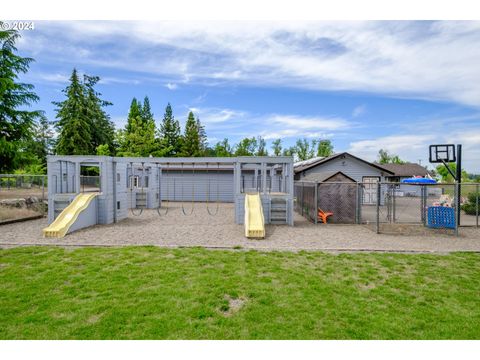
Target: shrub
470 206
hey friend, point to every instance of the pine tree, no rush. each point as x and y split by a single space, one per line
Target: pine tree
191 138
73 125
134 113
138 137
170 138
146 111
42 143
15 124
202 134
103 129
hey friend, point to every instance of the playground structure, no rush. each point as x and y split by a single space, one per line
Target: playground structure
128 184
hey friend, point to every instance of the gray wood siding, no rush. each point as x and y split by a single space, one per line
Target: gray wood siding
176 186
351 167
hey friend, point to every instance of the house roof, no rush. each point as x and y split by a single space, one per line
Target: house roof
324 176
407 170
308 164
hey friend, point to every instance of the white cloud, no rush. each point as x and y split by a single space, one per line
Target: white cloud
415 147
359 110
116 80
427 60
171 86
217 115
53 78
409 147
309 123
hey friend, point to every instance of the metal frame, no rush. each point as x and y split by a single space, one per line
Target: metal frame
112 192
449 149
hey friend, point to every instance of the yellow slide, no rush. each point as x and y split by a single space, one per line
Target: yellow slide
254 221
59 227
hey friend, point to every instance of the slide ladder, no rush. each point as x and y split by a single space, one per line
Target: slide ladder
60 226
254 220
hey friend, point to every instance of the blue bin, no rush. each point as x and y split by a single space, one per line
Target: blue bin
441 217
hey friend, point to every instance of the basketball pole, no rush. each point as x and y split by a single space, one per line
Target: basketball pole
459 181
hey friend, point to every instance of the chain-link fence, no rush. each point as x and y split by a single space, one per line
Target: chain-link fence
307 200
386 203
22 196
90 183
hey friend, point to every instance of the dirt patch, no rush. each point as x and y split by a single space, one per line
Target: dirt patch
94 319
7 213
233 306
412 230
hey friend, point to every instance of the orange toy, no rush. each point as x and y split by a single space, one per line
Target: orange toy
322 215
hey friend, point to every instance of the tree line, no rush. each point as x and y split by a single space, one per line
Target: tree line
82 125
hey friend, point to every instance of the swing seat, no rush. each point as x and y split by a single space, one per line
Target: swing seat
323 216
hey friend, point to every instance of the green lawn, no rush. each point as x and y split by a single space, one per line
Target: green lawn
154 293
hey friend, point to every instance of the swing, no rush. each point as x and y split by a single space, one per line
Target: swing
193 191
159 194
132 209
218 192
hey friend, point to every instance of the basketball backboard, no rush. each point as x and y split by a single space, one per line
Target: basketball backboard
441 153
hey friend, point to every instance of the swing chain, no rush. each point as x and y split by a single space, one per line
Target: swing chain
193 191
218 192
160 191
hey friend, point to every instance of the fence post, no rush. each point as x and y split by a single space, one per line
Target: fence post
476 208
394 204
377 223
356 204
388 202
316 203
303 191
423 202
43 194
457 210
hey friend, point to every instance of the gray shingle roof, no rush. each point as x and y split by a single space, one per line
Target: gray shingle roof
408 169
304 165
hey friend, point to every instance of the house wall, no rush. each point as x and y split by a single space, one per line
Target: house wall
351 167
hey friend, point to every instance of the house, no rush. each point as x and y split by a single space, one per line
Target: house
406 171
355 168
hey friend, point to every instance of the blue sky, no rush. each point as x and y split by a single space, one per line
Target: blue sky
364 85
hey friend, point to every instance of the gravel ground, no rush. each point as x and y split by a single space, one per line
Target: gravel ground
201 229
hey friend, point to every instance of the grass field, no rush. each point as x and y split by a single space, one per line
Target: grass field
154 293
